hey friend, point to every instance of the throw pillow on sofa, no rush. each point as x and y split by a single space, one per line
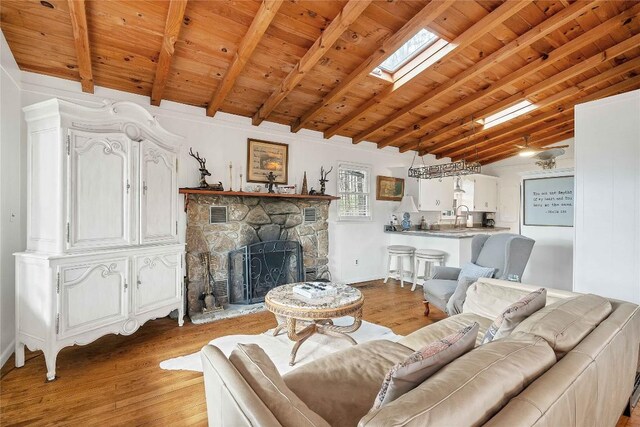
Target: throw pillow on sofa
511 317
419 366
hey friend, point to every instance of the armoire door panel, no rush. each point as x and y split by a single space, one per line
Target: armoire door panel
100 178
93 295
157 281
158 180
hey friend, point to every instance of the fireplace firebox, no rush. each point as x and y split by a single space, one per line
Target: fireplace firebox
257 268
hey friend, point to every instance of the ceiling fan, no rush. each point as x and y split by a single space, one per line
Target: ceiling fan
526 151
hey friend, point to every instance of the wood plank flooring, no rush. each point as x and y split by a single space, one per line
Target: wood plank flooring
117 380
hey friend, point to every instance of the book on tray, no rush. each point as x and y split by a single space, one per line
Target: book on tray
315 289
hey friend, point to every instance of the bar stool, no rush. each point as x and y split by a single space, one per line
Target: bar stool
429 257
400 252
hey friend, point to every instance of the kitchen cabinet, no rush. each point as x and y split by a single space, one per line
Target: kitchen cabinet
102 244
435 194
481 193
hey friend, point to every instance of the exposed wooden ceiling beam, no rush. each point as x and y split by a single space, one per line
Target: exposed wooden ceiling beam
532 91
533 67
479 29
559 124
489 142
543 142
339 25
172 26
262 20
573 91
78 12
561 77
421 20
522 42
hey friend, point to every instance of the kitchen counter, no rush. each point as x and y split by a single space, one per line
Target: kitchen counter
455 242
452 233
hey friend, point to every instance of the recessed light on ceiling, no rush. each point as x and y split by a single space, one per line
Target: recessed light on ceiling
46 4
507 114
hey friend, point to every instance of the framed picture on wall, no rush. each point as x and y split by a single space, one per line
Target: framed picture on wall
264 157
548 201
389 188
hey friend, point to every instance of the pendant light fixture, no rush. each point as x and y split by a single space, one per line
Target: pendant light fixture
459 168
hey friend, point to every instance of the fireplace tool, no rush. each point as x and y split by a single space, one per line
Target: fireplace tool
210 303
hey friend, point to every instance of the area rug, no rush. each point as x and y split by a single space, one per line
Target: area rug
278 348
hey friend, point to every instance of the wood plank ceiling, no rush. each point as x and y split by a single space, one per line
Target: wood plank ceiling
307 63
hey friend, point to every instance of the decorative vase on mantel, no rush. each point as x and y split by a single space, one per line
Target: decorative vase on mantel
305 190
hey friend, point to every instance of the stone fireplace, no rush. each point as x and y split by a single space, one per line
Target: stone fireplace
220 223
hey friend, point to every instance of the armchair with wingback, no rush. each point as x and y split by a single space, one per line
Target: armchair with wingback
507 253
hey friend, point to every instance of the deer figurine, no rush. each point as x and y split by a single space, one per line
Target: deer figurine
323 178
204 173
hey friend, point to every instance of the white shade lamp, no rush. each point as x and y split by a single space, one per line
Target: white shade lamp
407 206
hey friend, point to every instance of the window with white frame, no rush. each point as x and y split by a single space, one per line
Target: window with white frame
354 183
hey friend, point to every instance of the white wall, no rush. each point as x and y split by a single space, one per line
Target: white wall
223 139
12 234
551 262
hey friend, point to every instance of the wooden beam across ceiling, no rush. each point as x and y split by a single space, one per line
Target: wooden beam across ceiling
78 13
522 42
336 28
529 69
388 46
175 16
491 142
596 60
262 20
475 32
544 141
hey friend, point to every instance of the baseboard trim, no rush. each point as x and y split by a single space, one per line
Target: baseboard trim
7 352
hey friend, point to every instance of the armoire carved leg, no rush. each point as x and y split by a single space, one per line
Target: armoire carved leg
181 315
426 308
50 360
19 354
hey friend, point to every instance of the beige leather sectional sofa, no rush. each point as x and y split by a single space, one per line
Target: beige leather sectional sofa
572 363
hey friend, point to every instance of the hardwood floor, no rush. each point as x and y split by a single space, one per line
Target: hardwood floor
117 380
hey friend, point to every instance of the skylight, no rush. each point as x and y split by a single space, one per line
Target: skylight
507 114
408 51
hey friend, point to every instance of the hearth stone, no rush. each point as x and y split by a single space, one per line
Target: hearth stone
250 220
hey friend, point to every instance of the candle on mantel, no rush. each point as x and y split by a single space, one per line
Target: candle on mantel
230 176
240 179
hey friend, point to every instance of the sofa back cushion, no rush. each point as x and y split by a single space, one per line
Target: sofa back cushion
261 374
565 323
590 386
472 388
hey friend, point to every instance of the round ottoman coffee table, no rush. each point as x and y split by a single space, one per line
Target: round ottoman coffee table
302 317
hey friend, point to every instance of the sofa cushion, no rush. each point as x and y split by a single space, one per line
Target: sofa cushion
261 374
341 387
472 388
444 327
565 323
420 365
511 317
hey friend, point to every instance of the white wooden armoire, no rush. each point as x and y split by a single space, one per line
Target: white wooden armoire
102 243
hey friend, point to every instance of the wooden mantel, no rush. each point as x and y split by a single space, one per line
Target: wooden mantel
187 191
